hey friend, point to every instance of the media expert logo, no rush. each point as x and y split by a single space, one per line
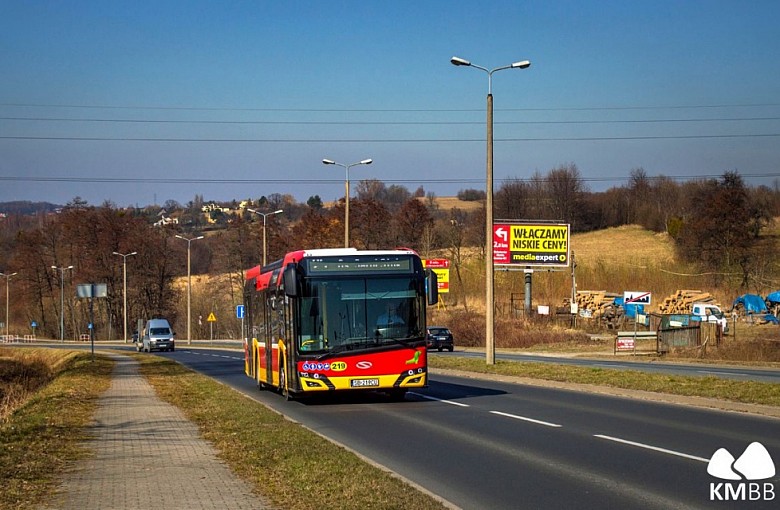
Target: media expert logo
754 464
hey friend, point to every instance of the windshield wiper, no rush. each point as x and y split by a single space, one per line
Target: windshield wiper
356 343
404 341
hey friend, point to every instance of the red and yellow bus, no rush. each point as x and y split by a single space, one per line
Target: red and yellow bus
338 319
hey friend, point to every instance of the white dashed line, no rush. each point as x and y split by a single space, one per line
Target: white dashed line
439 400
523 418
654 448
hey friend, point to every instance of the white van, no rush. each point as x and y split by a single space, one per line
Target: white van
158 336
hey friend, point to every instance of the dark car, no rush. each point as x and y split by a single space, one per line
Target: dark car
439 338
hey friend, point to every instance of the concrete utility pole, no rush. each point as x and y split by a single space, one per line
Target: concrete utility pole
490 353
189 286
264 215
62 299
124 286
346 195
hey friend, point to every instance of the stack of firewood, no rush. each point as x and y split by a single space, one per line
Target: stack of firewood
682 300
599 302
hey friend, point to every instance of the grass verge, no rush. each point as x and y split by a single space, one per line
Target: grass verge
291 466
44 433
748 392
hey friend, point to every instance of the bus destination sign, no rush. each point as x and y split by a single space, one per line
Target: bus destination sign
354 266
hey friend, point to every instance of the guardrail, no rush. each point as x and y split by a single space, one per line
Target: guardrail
15 339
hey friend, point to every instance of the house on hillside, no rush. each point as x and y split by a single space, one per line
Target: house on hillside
164 219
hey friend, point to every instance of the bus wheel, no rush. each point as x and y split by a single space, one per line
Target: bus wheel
283 384
397 394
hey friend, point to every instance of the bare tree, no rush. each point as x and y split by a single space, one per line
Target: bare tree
369 220
411 220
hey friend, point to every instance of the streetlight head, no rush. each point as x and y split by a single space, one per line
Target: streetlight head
69 267
133 253
117 253
199 237
54 267
279 211
457 61
328 162
523 64
367 161
251 210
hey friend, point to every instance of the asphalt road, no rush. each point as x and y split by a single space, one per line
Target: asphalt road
485 444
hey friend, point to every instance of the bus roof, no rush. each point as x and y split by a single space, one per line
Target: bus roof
264 274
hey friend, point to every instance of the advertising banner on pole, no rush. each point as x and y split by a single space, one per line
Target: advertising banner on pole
531 244
442 269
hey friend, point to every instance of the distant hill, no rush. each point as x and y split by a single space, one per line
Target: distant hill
627 244
447 203
25 207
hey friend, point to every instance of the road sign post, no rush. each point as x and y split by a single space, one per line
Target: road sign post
91 291
240 311
211 320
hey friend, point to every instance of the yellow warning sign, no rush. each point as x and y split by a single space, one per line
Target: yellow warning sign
212 317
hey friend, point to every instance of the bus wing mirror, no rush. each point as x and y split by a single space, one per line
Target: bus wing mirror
431 287
291 280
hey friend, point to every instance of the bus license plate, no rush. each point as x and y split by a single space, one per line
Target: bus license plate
363 383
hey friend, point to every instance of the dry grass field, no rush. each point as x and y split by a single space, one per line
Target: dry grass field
630 245
22 372
448 203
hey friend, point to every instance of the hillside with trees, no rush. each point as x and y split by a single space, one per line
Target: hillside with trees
719 232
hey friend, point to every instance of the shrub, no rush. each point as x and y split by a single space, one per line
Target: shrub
469 331
471 195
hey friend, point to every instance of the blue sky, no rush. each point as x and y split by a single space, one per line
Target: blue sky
141 102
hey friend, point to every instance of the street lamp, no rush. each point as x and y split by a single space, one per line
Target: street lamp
490 352
62 299
7 298
346 185
124 287
264 215
189 285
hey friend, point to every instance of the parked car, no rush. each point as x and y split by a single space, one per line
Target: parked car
439 338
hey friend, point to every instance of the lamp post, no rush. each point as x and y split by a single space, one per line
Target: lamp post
124 286
264 215
346 186
189 285
62 299
490 352
7 297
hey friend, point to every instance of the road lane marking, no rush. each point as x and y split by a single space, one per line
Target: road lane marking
722 373
539 422
439 399
216 355
654 448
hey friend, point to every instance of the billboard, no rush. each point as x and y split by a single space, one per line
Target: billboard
442 269
531 244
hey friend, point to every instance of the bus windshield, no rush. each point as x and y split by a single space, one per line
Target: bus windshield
344 314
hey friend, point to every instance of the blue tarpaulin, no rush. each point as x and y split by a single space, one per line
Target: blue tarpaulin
773 297
631 309
753 303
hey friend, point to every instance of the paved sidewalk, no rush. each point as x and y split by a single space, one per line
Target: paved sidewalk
147 455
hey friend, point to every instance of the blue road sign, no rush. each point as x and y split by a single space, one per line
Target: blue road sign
239 311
